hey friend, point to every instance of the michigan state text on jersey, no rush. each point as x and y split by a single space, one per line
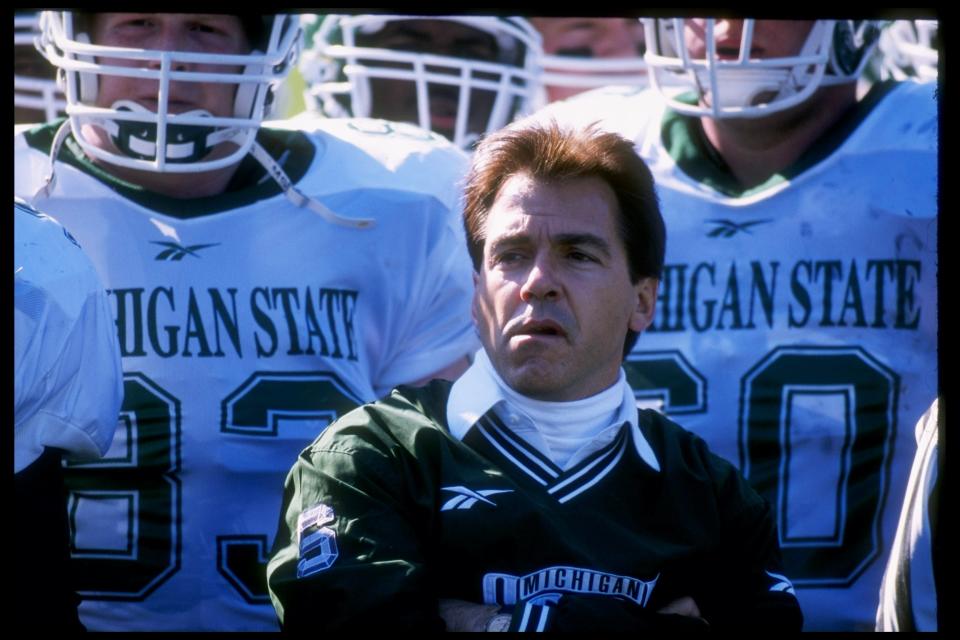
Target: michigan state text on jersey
262 282
246 325
796 328
532 484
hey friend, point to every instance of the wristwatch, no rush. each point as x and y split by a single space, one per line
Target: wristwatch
499 622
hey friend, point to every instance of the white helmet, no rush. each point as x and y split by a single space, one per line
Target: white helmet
835 52
34 80
163 141
348 70
582 69
909 49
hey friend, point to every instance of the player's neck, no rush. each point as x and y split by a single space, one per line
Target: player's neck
171 185
756 149
175 185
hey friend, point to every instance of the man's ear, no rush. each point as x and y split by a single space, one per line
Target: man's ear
646 291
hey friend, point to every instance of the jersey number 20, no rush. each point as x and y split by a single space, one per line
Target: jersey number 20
815 431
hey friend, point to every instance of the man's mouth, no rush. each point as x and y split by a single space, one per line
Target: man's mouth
541 328
541 331
443 111
173 105
441 121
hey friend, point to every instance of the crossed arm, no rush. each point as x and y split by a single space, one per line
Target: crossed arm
468 616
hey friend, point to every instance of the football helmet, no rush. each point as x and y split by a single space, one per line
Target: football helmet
909 49
741 86
451 81
568 69
160 140
34 80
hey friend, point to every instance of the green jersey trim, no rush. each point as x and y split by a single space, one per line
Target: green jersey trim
292 150
684 140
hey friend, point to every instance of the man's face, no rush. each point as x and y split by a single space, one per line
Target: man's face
589 38
553 299
200 33
396 100
771 38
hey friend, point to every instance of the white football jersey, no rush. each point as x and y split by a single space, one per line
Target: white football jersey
796 326
67 383
247 325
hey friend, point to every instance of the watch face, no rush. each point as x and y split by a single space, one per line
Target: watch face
499 622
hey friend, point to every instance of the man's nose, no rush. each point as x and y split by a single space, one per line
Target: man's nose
541 282
169 38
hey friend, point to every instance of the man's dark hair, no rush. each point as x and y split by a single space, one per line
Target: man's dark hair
547 151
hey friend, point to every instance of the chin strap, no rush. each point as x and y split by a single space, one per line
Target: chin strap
298 198
51 178
260 155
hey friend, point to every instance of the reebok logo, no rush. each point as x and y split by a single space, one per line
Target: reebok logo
175 251
466 498
780 583
729 228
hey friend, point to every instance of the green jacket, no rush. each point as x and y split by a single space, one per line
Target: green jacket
386 513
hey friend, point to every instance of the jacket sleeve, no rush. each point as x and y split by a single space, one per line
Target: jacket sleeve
350 553
751 589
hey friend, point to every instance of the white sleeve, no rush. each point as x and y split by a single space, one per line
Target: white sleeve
68 382
439 329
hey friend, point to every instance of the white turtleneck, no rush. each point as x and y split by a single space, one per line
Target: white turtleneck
565 432
565 428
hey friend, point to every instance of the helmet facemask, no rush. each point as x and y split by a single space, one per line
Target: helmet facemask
374 66
741 86
575 64
910 49
151 136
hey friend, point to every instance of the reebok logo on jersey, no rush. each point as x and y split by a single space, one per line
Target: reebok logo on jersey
176 251
466 498
728 228
318 543
781 583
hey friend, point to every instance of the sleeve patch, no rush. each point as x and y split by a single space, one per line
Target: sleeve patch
318 543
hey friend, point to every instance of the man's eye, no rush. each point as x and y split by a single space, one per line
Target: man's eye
508 257
136 23
579 256
204 28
